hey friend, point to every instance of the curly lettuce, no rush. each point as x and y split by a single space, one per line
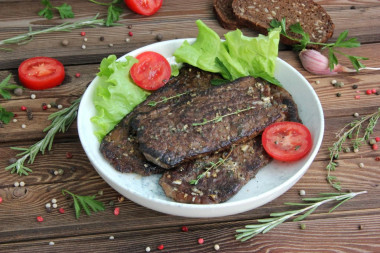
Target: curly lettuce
116 94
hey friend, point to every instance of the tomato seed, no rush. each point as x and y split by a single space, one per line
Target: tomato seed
23 108
40 219
184 229
61 210
116 211
201 240
160 247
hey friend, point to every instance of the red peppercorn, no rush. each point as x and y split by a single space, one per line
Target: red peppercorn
377 139
201 241
357 97
184 229
377 158
116 211
368 92
61 210
1 200
375 147
77 75
83 33
23 108
160 247
69 155
373 91
40 219
44 107
130 34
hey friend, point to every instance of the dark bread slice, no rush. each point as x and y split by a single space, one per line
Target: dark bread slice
257 15
225 15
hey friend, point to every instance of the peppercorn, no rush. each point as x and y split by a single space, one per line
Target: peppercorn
83 33
101 38
377 93
1 200
356 114
130 34
18 91
354 86
302 226
184 229
216 247
40 219
372 141
77 75
159 37
375 147
65 42
116 211
361 165
160 247
129 26
23 108
368 92
201 240
338 94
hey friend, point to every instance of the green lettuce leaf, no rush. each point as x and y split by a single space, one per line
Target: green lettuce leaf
116 94
237 56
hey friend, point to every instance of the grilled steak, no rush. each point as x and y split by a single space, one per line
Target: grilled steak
220 175
206 121
120 147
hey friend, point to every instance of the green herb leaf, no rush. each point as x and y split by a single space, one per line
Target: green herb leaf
85 203
47 11
5 87
65 11
113 14
5 116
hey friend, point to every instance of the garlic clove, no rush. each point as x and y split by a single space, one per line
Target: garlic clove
316 63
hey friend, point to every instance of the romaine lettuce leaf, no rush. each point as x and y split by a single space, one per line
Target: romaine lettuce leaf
237 56
115 95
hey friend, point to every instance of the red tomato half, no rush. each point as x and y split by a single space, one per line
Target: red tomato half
144 7
287 141
151 72
39 73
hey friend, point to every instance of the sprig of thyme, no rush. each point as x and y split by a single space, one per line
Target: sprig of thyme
341 42
62 120
212 166
165 99
350 130
64 27
219 118
85 203
277 218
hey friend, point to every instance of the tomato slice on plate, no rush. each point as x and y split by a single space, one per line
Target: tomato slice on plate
144 7
151 72
287 141
39 73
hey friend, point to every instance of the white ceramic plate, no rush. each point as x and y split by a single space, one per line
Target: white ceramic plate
271 181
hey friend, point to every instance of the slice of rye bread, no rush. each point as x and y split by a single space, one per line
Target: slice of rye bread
225 15
257 15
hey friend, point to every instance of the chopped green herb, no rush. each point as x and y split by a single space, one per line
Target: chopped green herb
113 12
5 116
86 203
65 10
5 87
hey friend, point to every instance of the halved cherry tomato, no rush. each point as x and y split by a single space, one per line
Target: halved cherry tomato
287 141
144 7
151 72
39 73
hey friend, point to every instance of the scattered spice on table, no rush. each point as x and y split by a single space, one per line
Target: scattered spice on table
51 243
1 200
130 33
354 86
302 226
65 42
69 155
23 108
184 228
160 247
40 219
201 241
77 75
61 210
116 211
216 247
111 237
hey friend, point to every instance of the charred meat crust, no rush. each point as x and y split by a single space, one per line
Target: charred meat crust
168 137
222 181
120 147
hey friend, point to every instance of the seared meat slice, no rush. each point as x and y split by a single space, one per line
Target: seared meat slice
282 96
221 175
206 121
120 147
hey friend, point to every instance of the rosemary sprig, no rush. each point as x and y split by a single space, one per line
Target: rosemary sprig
341 42
64 27
61 122
277 218
165 99
212 166
219 118
350 130
85 203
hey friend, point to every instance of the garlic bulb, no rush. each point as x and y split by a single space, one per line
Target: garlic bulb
316 63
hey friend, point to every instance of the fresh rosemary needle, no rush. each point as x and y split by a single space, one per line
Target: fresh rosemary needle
350 130
62 120
277 218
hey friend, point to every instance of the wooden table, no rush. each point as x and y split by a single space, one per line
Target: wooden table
354 227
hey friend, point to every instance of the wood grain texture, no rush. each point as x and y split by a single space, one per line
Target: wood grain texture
137 227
